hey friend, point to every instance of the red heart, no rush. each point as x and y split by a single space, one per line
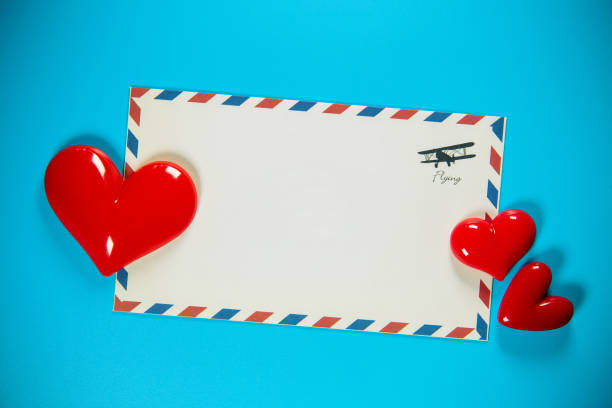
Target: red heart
525 305
117 221
494 247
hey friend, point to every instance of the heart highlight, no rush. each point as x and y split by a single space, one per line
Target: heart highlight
493 247
117 221
525 305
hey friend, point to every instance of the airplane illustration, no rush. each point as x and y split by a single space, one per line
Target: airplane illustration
447 154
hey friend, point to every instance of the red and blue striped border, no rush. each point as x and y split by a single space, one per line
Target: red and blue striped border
497 127
305 106
293 319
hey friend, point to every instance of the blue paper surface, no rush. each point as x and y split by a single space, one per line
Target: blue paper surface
65 72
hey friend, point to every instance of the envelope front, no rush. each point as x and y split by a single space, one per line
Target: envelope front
317 214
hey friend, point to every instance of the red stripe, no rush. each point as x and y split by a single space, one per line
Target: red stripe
460 332
268 103
258 317
484 294
127 171
192 311
470 119
125 306
326 322
404 114
393 327
135 111
201 97
495 160
138 92
336 108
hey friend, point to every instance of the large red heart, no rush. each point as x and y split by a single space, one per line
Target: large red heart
494 247
117 221
525 305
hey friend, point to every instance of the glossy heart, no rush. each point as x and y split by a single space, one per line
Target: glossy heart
117 221
494 247
525 305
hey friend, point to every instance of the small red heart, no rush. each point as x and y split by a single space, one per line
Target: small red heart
494 247
525 305
117 221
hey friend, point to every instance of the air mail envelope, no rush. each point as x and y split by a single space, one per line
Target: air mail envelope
317 214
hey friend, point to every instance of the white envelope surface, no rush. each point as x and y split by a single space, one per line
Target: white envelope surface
317 214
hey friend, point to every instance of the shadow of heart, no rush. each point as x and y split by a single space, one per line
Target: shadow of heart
533 209
533 345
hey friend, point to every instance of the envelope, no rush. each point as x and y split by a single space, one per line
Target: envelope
317 214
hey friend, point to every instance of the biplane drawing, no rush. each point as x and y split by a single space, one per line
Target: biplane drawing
447 154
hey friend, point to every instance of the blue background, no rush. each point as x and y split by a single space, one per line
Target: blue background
65 70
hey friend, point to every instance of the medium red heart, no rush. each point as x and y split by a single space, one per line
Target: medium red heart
525 305
117 221
494 247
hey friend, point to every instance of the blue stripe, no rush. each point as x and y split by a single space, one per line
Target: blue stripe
481 327
122 278
158 308
226 314
427 330
302 106
370 111
132 143
498 128
437 117
492 193
167 95
360 324
292 319
235 100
